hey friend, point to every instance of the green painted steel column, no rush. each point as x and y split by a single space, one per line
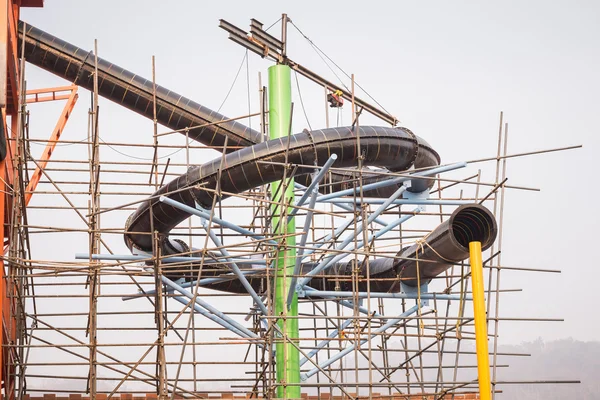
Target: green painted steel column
287 356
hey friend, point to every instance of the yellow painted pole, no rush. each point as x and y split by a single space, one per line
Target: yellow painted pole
481 339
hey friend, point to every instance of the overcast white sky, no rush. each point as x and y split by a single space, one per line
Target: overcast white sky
445 69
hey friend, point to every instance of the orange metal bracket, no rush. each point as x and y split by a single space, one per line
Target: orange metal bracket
58 129
49 94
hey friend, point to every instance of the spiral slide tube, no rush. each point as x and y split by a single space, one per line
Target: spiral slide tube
396 149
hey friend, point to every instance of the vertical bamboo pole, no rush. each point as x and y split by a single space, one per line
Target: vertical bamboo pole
481 343
287 356
94 235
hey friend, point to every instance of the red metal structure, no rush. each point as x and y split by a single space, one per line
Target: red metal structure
10 79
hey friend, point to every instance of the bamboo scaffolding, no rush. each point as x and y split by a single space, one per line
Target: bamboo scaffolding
69 315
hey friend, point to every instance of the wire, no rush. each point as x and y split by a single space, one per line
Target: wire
111 147
337 66
248 89
302 101
273 24
244 60
139 158
234 80
32 141
326 63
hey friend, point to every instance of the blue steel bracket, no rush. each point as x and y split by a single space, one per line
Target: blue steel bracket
200 208
408 195
423 289
300 290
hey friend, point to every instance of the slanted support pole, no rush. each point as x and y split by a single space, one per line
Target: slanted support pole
54 138
310 190
303 238
396 322
481 338
220 317
233 266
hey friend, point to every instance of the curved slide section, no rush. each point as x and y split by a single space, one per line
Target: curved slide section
130 90
396 149
393 148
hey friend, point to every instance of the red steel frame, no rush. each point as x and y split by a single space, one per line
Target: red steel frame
9 17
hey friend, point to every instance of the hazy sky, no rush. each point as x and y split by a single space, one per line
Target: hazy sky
445 69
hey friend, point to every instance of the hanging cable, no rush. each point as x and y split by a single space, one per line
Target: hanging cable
318 50
248 89
302 101
273 24
244 60
234 81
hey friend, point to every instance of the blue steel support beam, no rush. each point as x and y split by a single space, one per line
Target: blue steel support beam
203 282
303 238
323 343
328 260
216 220
212 317
315 182
393 181
326 264
351 348
328 237
343 206
236 270
208 307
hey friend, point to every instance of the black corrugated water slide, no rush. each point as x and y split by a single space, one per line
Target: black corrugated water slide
396 149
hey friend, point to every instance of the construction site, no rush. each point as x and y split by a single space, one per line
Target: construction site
242 256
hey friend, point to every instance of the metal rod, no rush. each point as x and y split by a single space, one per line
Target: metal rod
208 307
236 270
393 181
307 223
315 181
375 295
216 220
